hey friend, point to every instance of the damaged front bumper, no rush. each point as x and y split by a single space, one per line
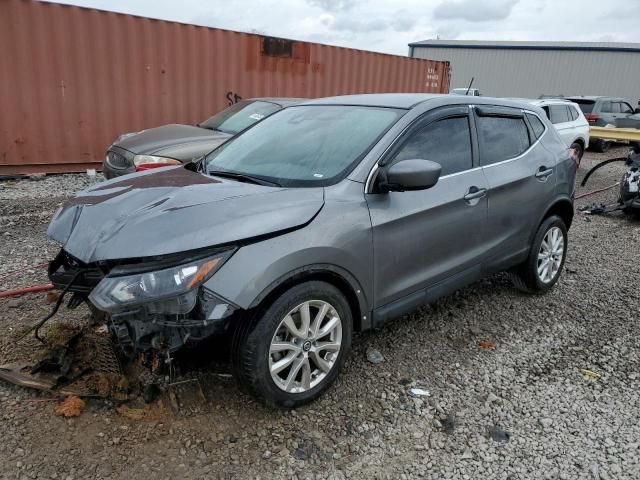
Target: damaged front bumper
155 305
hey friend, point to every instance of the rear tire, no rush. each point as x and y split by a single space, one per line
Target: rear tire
286 362
542 268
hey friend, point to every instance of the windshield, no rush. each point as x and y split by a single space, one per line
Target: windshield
240 116
304 146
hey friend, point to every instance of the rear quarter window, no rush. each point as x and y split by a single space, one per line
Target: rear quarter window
558 113
536 125
501 138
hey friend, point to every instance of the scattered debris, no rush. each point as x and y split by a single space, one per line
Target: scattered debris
153 411
487 344
52 296
72 361
589 373
374 356
72 406
498 435
449 424
419 392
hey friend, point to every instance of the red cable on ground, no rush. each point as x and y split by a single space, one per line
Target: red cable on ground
22 291
597 191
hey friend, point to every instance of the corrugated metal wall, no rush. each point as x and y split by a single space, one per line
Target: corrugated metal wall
530 73
72 79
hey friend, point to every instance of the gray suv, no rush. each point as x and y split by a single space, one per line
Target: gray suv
326 218
603 111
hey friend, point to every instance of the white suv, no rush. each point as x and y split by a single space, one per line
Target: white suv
568 120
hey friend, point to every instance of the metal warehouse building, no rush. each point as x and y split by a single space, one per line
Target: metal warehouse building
531 69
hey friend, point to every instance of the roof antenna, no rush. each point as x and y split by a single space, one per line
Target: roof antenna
469 87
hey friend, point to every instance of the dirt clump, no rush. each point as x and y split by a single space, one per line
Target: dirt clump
72 406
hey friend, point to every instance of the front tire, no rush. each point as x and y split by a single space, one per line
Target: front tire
294 350
542 269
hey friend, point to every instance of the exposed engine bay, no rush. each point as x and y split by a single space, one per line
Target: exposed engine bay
629 191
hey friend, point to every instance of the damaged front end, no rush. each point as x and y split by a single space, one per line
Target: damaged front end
154 304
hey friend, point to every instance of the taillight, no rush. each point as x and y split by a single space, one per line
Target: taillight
592 117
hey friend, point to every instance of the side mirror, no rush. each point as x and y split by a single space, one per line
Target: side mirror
413 174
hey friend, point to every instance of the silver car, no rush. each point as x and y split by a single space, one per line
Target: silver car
328 217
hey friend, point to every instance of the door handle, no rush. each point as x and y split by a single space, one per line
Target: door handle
474 192
543 172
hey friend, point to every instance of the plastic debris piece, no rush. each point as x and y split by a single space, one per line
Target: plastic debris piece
449 423
419 392
498 435
589 373
91 172
52 296
374 356
72 406
487 344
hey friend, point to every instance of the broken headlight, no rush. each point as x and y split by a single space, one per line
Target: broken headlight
170 290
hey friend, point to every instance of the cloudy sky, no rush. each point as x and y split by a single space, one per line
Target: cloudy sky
389 25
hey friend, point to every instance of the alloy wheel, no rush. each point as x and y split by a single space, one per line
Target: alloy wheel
305 346
550 255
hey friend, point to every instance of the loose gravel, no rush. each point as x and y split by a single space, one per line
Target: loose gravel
502 395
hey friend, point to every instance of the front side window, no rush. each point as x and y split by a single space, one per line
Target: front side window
501 138
304 146
625 108
446 141
240 116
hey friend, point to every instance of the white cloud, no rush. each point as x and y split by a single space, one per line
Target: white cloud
474 11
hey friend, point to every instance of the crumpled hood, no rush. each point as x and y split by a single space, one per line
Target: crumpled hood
172 210
170 140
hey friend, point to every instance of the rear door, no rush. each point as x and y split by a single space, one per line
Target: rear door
422 238
521 176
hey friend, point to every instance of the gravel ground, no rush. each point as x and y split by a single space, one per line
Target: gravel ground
558 422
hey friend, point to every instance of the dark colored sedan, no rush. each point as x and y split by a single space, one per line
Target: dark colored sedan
175 144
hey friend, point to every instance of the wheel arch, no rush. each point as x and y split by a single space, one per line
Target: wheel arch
562 207
332 274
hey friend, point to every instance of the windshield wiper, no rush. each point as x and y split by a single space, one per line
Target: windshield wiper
243 177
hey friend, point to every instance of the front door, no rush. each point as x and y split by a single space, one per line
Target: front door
422 238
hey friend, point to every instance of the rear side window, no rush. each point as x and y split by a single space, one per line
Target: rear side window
501 138
446 141
536 125
558 114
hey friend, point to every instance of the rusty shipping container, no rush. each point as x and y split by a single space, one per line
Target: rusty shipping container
72 78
